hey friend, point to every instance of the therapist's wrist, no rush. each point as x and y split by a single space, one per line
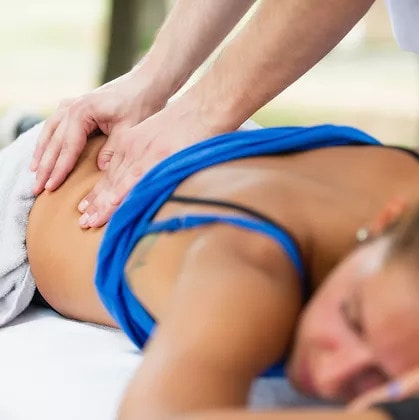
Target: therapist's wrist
146 95
156 79
219 114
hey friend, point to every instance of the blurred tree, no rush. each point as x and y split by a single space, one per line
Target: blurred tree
132 27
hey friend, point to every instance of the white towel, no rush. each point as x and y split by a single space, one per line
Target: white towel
17 285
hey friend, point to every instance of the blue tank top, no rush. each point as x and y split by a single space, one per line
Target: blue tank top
134 218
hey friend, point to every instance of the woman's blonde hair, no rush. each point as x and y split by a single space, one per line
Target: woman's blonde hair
404 237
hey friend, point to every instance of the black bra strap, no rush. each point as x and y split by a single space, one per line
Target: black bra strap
230 205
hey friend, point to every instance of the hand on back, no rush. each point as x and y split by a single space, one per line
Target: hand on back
136 150
140 136
110 108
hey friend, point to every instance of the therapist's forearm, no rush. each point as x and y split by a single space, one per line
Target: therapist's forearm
193 29
282 41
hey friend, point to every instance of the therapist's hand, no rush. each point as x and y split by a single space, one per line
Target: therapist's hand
404 387
116 105
139 148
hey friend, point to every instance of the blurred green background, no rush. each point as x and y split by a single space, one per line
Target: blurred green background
53 49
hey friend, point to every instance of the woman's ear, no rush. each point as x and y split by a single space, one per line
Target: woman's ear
389 214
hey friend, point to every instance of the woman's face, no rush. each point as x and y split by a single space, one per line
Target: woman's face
360 329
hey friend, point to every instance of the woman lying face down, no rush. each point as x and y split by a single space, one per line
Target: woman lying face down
360 328
229 300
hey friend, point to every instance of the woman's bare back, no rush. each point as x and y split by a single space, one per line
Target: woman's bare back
61 255
312 193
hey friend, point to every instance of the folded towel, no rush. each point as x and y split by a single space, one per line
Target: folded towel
17 285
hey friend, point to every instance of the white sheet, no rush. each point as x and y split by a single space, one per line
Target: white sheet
52 368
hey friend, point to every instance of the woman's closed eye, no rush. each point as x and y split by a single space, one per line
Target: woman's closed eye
351 313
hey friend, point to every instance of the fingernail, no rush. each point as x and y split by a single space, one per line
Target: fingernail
92 219
33 167
394 390
83 219
115 200
83 205
48 185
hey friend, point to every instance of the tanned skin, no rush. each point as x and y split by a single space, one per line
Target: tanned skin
217 283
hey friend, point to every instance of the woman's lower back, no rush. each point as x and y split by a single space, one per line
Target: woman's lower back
61 255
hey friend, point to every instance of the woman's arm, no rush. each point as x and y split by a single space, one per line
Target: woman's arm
313 414
231 316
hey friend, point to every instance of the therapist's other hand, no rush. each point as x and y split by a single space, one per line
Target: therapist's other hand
138 149
120 103
404 387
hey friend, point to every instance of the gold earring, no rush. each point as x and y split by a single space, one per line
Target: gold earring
362 234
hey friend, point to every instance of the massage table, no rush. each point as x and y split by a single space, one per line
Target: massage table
54 368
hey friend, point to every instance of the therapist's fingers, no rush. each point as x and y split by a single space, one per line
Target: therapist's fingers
126 175
69 154
45 166
60 156
136 163
105 156
104 183
44 139
100 208
97 205
47 132
390 392
134 154
110 192
113 150
108 197
404 387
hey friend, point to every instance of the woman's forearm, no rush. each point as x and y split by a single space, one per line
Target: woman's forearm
289 415
193 29
281 42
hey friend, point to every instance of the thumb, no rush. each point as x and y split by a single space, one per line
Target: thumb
106 153
392 391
